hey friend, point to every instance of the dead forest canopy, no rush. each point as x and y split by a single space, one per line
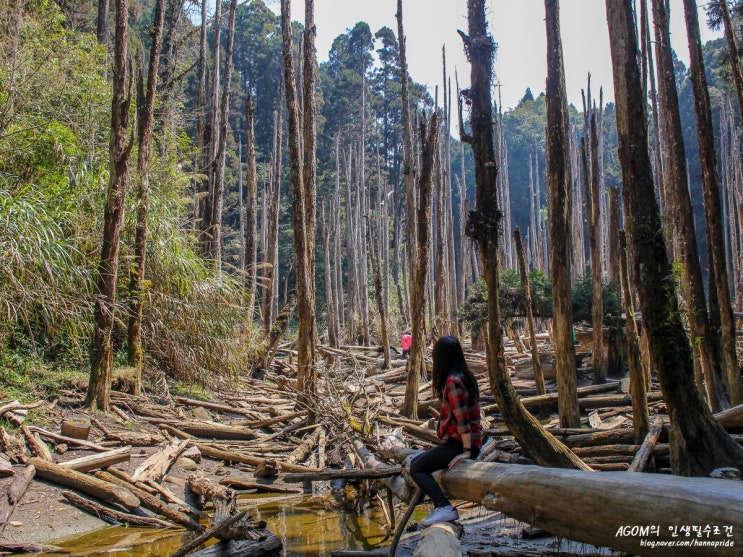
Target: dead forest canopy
221 262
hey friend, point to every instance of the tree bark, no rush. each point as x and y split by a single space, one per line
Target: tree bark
145 118
701 444
251 220
101 351
712 210
102 25
558 185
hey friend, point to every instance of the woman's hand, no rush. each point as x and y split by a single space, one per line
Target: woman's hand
460 456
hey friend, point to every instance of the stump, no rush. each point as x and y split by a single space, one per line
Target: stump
77 427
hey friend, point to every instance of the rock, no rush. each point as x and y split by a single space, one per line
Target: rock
201 414
187 464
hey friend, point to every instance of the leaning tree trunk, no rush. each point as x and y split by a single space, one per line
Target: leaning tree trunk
711 190
145 117
101 351
674 156
698 442
558 178
302 202
483 226
429 134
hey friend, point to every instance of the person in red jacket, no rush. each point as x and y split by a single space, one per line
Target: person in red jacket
459 425
406 342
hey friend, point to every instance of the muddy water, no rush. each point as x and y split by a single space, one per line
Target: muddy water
308 526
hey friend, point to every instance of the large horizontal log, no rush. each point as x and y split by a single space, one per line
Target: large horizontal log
99 460
365 474
112 516
548 398
210 430
233 456
572 503
158 464
227 409
270 545
440 540
83 482
731 419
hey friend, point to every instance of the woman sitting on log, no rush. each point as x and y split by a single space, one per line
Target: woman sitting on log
459 425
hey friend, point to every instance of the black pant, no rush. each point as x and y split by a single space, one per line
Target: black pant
436 458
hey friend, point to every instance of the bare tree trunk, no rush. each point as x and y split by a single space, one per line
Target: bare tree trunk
640 416
483 226
329 295
200 167
101 351
303 195
698 442
271 269
429 134
674 157
145 117
251 218
379 293
711 190
614 364
733 50
102 27
526 293
558 177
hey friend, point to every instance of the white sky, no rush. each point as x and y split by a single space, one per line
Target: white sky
517 27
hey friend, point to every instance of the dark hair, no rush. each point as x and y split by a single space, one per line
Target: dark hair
448 358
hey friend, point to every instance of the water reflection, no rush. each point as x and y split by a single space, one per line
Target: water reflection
307 526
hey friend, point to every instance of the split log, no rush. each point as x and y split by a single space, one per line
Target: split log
153 503
414 430
85 483
440 540
269 345
16 405
13 446
216 407
157 465
37 446
13 493
641 458
99 460
112 516
68 440
233 483
233 456
210 430
276 419
573 503
396 484
365 474
625 450
607 437
270 545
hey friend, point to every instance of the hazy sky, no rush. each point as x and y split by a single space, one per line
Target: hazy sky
517 27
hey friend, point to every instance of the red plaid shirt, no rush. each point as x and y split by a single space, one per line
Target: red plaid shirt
460 412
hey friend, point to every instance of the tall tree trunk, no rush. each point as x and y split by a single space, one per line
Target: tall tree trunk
271 268
202 186
102 26
698 442
101 351
526 293
251 217
593 208
558 179
711 189
614 364
429 134
733 49
329 295
145 118
483 226
674 157
380 295
303 195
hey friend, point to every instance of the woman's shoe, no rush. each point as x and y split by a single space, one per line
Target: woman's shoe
441 514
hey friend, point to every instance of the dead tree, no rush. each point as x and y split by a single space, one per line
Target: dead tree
251 226
698 442
102 26
303 194
101 350
145 117
712 209
676 186
558 185
429 133
483 227
380 295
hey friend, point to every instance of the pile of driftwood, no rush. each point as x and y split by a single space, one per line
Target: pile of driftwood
352 433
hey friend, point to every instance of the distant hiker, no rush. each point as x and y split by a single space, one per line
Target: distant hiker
406 343
459 425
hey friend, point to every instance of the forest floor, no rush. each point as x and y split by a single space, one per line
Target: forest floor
274 438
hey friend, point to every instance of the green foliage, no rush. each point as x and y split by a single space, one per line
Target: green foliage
583 298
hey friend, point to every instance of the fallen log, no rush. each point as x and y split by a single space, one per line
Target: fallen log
157 465
6 547
242 458
210 430
13 493
210 533
99 460
396 484
620 450
365 474
234 483
83 482
16 405
65 439
14 446
276 419
153 503
269 545
572 503
417 431
37 446
6 468
216 407
549 398
440 540
640 461
731 419
112 516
